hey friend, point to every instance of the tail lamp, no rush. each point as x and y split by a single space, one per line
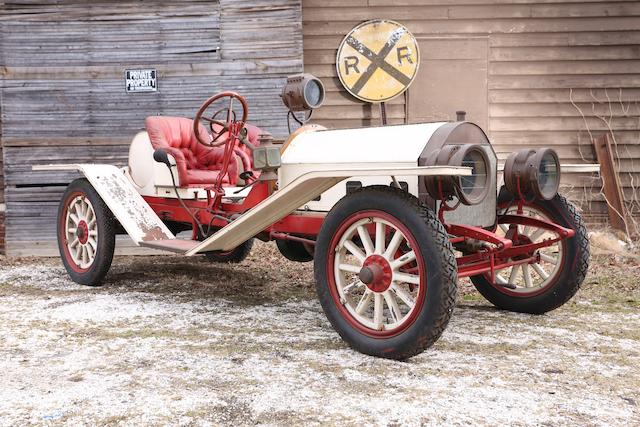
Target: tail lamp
469 190
533 173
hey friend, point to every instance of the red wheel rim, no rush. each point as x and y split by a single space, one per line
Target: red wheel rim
403 306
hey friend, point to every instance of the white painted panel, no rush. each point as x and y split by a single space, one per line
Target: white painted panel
388 144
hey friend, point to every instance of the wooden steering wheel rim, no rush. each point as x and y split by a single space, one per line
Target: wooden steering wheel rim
205 105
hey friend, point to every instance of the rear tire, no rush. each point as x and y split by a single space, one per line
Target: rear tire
565 269
86 233
294 251
234 256
419 292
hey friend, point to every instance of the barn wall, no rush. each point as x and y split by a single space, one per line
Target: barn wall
63 97
549 63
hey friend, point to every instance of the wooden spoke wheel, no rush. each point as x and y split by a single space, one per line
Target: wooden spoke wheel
559 270
385 272
86 233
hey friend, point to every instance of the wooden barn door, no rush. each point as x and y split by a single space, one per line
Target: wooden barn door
63 85
452 77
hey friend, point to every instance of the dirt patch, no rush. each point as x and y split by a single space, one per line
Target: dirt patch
175 341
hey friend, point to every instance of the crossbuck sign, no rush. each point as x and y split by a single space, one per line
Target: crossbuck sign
378 60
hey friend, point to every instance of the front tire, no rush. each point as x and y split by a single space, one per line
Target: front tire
548 284
86 233
385 238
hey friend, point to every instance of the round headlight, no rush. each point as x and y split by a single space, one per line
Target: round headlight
471 189
537 172
303 92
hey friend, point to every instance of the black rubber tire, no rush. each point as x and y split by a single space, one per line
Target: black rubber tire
294 251
234 256
438 257
107 225
568 281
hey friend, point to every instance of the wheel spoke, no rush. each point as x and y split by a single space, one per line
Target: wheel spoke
83 208
514 274
363 304
403 295
90 252
74 243
548 258
536 234
92 223
350 286
381 236
378 308
390 299
90 214
72 230
526 273
403 260
394 244
350 268
93 242
351 247
414 279
500 280
74 218
541 272
366 240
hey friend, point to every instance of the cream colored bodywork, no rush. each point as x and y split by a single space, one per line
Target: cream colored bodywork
350 147
121 196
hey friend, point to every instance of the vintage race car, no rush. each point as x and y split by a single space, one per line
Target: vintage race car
391 216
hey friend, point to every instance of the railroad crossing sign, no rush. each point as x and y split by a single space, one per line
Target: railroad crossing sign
378 60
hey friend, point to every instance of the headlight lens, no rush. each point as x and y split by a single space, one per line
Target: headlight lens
471 189
536 172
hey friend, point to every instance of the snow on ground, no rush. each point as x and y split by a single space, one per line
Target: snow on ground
162 346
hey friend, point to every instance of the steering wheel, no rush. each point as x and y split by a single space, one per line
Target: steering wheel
229 125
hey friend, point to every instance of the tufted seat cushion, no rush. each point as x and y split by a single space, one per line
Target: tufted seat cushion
197 164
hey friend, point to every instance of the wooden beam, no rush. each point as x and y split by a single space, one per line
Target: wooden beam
611 183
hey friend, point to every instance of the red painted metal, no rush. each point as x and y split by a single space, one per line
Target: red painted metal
506 253
471 232
474 269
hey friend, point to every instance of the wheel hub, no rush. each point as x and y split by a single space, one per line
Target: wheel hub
83 232
376 273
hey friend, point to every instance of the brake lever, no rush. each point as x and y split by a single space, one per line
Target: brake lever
243 138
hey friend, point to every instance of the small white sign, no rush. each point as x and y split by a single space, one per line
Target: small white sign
141 80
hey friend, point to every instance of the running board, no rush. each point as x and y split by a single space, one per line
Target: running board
127 205
306 187
178 246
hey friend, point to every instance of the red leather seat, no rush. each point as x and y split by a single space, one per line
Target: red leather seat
197 164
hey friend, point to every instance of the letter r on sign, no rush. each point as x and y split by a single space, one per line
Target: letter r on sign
351 62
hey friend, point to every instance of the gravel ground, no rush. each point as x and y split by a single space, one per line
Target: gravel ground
175 341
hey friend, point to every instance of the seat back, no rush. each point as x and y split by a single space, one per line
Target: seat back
175 135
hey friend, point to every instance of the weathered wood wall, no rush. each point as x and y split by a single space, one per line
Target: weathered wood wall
63 97
549 63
